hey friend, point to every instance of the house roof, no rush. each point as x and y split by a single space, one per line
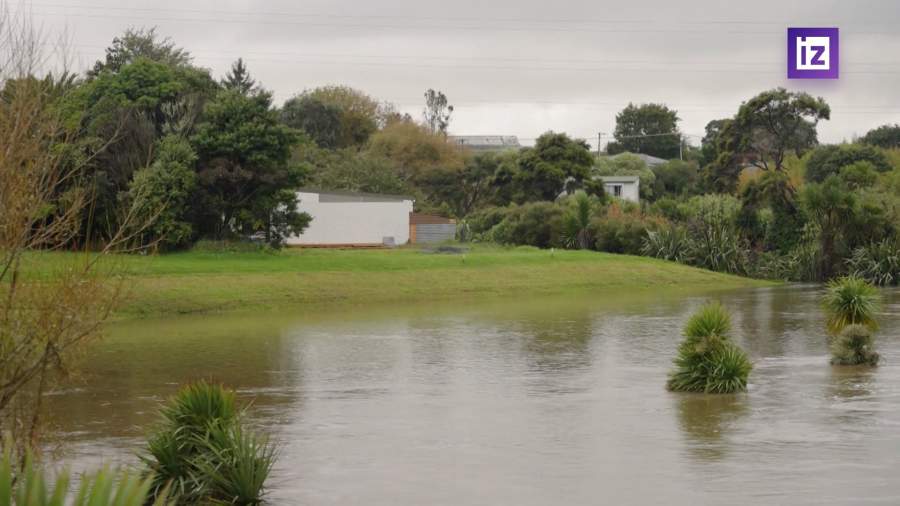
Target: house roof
620 179
348 196
651 161
486 141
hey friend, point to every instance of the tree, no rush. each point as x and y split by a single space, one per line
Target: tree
414 149
321 121
352 170
160 193
769 126
554 162
885 136
243 165
648 128
709 151
827 160
238 79
359 112
832 207
437 111
47 318
118 117
462 190
141 43
675 178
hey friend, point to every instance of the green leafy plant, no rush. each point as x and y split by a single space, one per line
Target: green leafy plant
707 360
577 221
850 301
667 243
854 346
202 451
28 486
877 263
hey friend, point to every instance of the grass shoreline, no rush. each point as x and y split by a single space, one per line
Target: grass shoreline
202 282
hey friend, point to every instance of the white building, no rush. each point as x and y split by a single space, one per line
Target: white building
353 219
623 187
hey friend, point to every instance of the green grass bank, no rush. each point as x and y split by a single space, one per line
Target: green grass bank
192 282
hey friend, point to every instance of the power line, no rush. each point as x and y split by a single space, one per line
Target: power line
468 28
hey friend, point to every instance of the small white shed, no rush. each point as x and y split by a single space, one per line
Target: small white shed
353 219
623 187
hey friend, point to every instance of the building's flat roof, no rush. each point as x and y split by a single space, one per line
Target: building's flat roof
620 179
348 196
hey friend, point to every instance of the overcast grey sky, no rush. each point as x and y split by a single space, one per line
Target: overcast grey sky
524 67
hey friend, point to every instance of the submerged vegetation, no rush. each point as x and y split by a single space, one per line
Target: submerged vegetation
850 301
708 361
203 452
850 305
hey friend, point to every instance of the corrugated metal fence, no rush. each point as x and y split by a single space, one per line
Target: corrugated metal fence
428 228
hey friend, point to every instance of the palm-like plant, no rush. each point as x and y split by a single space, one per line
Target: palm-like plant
850 301
577 221
202 452
854 346
707 360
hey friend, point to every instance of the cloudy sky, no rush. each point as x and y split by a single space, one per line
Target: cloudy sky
527 66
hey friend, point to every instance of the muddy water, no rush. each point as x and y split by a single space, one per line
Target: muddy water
551 401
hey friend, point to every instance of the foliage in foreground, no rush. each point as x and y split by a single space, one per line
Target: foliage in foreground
29 487
707 360
850 301
203 452
854 346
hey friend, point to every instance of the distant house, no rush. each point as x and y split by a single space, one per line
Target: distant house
651 161
486 143
352 219
623 187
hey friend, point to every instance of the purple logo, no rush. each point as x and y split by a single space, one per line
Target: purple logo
813 53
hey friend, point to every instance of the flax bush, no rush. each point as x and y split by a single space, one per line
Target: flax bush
707 360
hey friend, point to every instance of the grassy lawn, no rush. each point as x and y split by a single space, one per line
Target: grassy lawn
201 281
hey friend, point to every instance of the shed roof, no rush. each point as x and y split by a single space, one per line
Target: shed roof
348 196
620 179
486 141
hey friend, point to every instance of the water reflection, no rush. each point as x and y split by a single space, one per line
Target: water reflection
707 421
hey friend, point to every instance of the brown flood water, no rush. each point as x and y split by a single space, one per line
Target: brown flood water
537 402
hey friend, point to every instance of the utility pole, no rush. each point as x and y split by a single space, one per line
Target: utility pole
599 141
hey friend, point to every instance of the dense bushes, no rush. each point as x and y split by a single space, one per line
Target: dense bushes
877 263
707 360
827 160
622 229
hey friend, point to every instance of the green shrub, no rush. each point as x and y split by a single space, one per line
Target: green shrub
29 486
827 160
710 320
667 243
202 452
533 224
482 221
707 360
854 346
877 263
850 301
621 230
713 209
719 248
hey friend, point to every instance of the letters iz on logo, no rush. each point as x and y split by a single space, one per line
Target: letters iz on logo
812 53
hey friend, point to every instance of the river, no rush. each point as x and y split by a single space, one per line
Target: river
528 402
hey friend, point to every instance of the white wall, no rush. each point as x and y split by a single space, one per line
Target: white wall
353 222
630 191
